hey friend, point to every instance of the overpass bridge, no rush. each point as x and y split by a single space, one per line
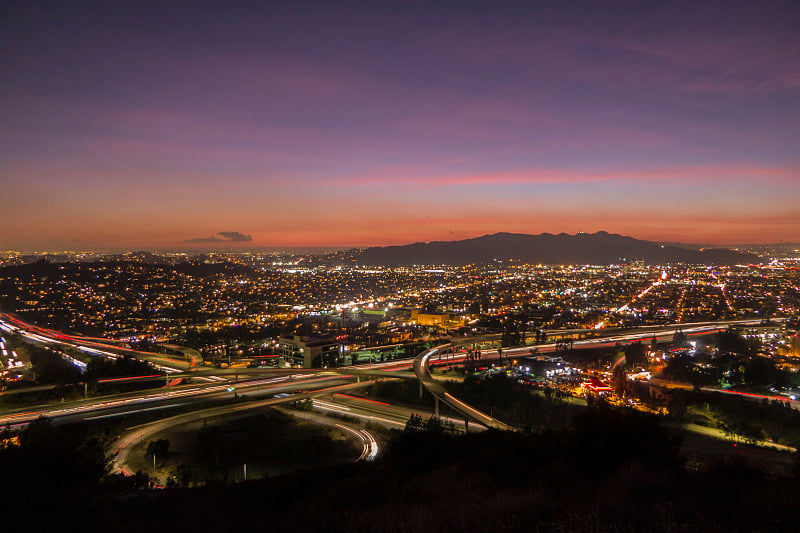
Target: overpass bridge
438 391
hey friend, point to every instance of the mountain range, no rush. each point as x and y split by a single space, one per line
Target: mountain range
599 248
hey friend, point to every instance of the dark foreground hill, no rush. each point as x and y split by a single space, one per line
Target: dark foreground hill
616 472
599 248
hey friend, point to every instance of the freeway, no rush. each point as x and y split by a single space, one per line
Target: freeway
440 393
388 415
107 348
221 383
98 408
424 360
89 346
661 333
37 335
795 404
293 384
124 444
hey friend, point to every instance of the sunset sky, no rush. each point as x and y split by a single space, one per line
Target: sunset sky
134 125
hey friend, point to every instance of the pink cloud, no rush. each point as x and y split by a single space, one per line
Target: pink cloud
558 176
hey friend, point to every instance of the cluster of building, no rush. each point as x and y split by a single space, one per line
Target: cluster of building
346 308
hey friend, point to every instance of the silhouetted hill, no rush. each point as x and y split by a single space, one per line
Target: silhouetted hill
599 248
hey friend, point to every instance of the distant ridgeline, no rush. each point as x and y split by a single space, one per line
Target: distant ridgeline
599 248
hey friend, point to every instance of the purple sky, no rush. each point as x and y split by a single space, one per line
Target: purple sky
300 124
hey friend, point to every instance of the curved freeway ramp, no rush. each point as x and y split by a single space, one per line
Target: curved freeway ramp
122 447
439 392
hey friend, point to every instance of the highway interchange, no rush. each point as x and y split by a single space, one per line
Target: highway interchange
191 388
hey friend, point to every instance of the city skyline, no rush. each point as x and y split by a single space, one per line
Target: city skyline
149 126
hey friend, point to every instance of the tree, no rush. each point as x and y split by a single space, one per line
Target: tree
140 480
306 404
751 433
415 423
678 369
183 476
760 371
635 354
679 340
619 381
511 335
157 448
543 336
677 408
440 426
731 341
